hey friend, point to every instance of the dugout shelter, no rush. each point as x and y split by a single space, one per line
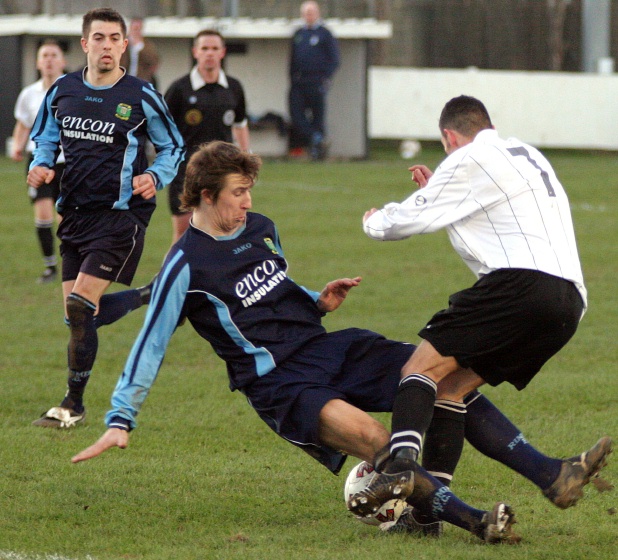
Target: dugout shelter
258 54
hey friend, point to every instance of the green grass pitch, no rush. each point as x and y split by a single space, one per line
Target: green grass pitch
203 477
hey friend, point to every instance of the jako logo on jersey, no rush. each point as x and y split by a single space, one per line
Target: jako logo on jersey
88 129
242 248
271 245
255 285
123 111
420 200
94 99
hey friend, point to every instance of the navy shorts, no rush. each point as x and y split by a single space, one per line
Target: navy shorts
105 244
174 190
51 190
358 366
507 325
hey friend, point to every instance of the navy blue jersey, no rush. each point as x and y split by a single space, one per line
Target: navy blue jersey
103 132
315 54
236 293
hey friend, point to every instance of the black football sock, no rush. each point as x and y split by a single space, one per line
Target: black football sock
493 434
412 412
45 234
116 305
444 440
82 348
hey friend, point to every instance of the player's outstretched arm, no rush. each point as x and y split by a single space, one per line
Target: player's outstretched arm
114 437
335 292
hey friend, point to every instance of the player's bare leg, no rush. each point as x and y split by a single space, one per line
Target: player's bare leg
350 430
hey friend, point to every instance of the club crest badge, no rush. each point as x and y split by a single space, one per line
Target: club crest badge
193 117
228 117
271 245
123 111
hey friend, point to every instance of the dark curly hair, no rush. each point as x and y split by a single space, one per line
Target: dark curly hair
208 168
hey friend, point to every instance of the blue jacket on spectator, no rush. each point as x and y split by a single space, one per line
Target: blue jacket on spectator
315 54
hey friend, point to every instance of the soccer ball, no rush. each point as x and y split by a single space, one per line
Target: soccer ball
409 148
358 479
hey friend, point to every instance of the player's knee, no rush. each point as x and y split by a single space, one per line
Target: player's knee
79 309
458 385
374 431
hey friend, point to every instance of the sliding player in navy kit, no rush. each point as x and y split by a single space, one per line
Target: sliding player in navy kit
102 118
227 275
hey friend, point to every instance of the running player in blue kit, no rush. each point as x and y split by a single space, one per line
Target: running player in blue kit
102 118
228 276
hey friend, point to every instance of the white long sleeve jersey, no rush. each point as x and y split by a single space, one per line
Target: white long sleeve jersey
502 206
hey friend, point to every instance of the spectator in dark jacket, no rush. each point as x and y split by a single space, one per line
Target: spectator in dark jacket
314 59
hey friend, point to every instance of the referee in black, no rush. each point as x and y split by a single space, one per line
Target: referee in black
207 105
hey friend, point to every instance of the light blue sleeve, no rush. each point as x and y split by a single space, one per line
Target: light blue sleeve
146 357
313 295
46 133
164 135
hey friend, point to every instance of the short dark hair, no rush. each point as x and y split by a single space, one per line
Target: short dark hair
50 42
466 115
209 32
102 14
208 168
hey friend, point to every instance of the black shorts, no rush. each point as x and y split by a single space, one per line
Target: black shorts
507 325
51 190
106 244
174 190
355 365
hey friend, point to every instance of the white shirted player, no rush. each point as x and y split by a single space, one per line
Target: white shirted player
508 217
501 204
50 63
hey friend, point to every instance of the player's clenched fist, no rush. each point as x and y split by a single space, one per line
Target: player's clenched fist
144 185
39 175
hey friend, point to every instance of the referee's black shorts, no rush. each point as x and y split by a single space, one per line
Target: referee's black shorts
507 325
174 190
